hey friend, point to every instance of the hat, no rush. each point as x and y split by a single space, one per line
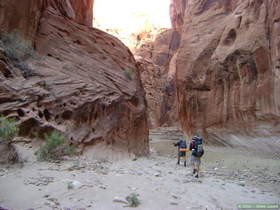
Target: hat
195 138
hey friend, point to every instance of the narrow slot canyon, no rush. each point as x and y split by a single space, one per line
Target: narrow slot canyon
147 32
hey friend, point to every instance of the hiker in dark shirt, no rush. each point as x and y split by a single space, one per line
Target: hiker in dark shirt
196 153
182 149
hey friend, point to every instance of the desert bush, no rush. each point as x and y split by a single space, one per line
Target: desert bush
15 47
128 74
8 130
54 147
133 200
18 50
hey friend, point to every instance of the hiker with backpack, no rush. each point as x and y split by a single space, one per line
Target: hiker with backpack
197 152
182 149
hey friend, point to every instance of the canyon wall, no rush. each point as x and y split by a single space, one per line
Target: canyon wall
80 81
177 12
25 15
79 11
22 15
228 70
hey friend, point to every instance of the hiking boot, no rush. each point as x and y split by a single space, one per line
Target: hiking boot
185 164
178 163
194 171
196 176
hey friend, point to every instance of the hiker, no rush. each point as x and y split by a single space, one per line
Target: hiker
197 152
182 149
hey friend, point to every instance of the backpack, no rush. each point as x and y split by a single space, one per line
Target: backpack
199 151
183 144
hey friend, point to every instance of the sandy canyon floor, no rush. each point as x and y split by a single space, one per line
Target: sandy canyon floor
228 177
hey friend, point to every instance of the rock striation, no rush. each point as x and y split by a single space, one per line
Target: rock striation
81 81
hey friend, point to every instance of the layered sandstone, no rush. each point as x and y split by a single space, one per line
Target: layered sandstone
228 69
82 81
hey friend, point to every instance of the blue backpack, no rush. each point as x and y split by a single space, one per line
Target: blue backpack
199 151
182 144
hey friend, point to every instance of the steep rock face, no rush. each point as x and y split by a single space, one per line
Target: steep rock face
177 12
83 11
154 57
80 11
228 69
151 77
23 15
165 45
82 82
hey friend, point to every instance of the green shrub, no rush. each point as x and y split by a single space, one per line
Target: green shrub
18 50
15 47
133 200
8 130
128 74
54 147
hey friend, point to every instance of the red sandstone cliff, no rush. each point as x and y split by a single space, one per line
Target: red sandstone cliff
228 69
81 81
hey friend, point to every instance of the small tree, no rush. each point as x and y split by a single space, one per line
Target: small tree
54 147
8 130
